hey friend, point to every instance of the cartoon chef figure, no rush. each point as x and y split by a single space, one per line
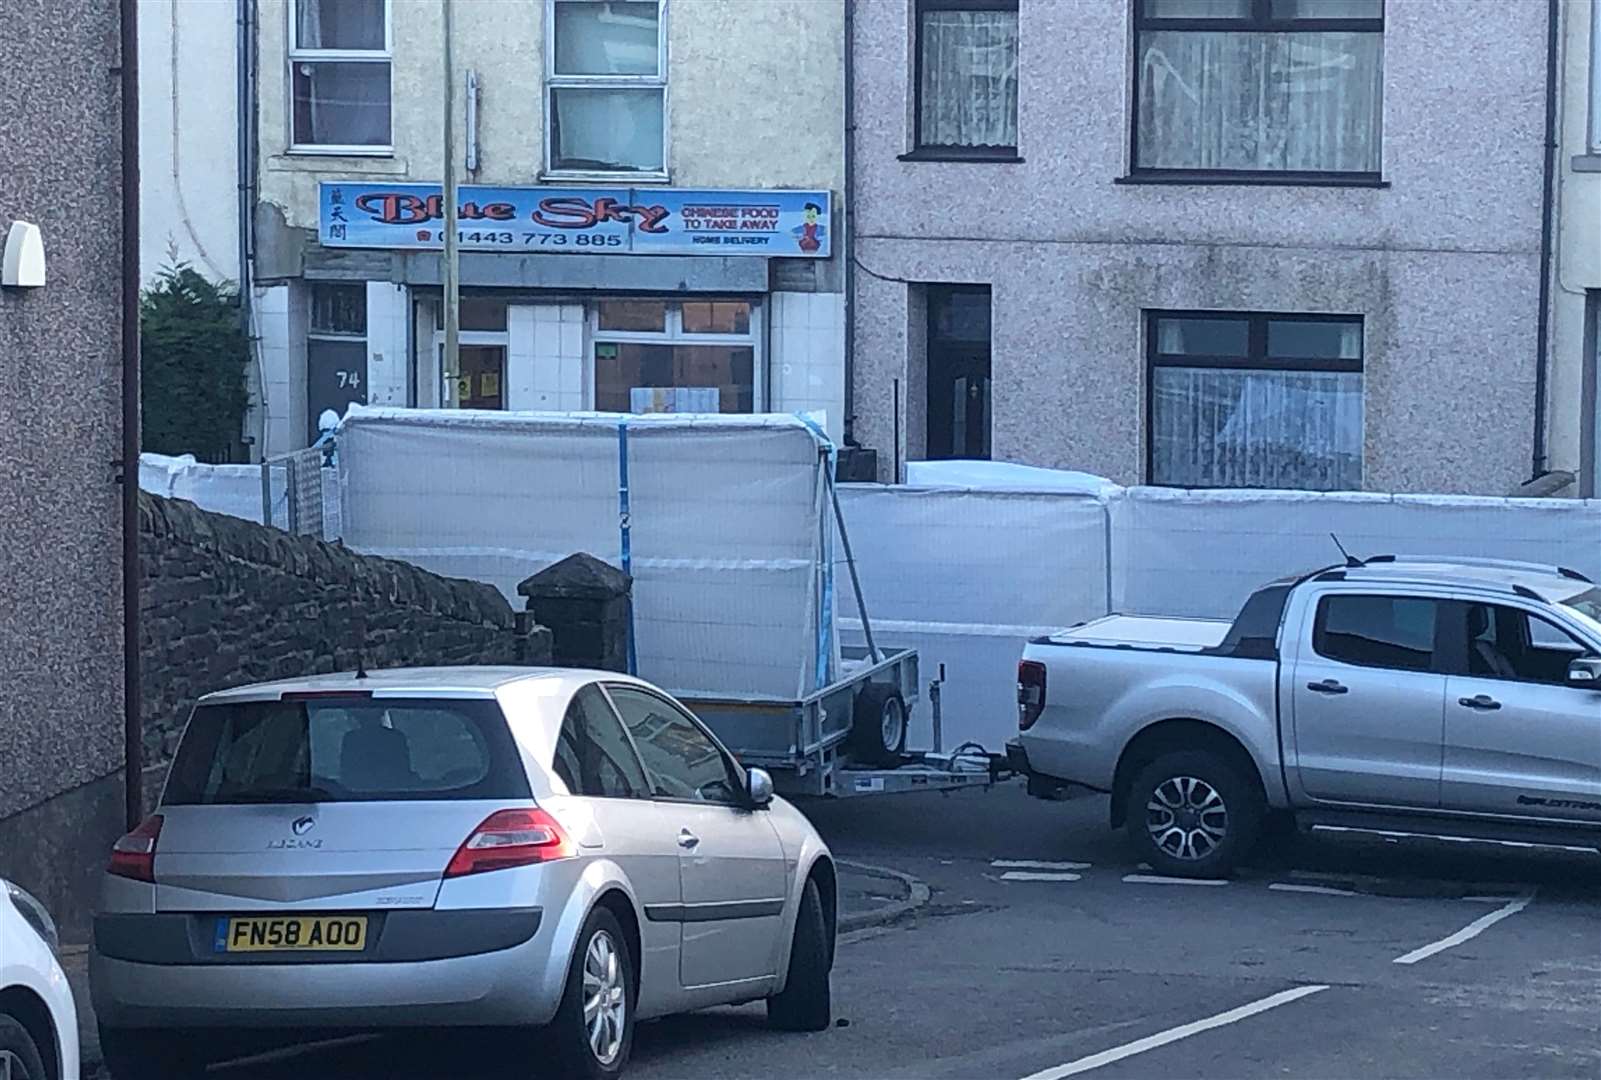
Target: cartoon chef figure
810 233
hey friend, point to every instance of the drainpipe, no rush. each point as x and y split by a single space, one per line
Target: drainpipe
1542 336
132 731
245 129
850 222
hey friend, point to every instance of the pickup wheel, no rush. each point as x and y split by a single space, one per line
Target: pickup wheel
1193 814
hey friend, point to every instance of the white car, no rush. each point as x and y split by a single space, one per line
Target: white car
553 852
38 1021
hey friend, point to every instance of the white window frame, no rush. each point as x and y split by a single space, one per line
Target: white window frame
674 334
552 81
1595 77
294 54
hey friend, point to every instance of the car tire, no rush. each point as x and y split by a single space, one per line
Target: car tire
1193 814
806 1002
601 963
878 726
152 1054
19 1051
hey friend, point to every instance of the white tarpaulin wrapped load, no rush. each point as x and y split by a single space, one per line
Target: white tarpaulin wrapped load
1201 553
966 577
222 489
982 555
726 526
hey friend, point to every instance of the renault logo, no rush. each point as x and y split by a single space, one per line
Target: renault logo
302 826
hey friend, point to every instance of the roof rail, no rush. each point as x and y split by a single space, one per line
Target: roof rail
1469 560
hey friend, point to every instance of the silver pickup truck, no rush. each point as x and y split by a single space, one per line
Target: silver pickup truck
1408 697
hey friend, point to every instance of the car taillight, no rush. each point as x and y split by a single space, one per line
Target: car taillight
510 838
1030 693
134 856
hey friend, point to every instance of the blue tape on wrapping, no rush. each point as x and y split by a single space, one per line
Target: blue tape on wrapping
825 613
626 528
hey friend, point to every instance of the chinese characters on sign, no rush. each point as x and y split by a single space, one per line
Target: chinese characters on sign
621 221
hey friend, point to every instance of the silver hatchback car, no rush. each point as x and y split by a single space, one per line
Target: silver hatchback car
554 852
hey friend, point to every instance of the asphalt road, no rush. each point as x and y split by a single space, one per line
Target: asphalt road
1288 970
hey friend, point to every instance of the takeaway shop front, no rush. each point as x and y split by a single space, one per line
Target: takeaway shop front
635 300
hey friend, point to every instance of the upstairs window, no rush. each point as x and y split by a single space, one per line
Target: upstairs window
1255 400
966 70
339 61
1272 89
606 88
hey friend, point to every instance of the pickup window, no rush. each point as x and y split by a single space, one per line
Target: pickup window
1378 631
1500 642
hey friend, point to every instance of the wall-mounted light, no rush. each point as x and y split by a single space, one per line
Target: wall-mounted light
24 258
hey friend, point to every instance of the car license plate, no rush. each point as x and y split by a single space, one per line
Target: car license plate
292 933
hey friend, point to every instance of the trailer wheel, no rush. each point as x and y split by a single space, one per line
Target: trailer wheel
878 726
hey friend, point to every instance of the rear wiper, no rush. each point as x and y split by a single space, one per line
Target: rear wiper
281 795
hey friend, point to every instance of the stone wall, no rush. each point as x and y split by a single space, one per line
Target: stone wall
227 602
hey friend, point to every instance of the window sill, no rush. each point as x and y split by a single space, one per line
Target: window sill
1589 163
378 163
1249 179
967 157
618 179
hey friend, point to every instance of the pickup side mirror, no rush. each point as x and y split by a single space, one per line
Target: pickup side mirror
1585 673
759 785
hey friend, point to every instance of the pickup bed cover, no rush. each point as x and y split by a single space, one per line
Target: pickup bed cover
1146 632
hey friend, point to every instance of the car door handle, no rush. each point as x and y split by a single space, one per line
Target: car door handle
1482 701
1328 686
687 839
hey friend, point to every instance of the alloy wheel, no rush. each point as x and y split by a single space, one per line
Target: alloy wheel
605 998
12 1068
1186 818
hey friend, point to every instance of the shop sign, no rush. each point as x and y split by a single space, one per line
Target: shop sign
592 221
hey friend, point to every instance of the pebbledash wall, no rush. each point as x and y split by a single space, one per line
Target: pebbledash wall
1439 255
753 100
60 434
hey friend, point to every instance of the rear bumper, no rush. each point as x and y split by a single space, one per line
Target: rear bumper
1040 785
506 986
400 936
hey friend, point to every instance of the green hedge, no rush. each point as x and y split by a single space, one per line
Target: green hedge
193 353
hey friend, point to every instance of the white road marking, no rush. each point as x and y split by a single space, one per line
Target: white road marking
1035 864
1153 879
1468 932
1489 899
1316 890
1172 1035
1034 875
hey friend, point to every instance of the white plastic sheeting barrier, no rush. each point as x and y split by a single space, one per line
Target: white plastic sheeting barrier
966 574
728 536
1201 553
222 489
966 577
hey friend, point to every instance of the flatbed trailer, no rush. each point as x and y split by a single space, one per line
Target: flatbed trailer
807 745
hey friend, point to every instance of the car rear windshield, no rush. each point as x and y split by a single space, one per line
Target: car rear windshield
1587 603
355 749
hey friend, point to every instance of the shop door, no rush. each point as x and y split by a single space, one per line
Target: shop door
336 378
480 379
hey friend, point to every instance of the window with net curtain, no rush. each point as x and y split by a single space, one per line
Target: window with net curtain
1260 86
607 87
967 75
340 64
1256 401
